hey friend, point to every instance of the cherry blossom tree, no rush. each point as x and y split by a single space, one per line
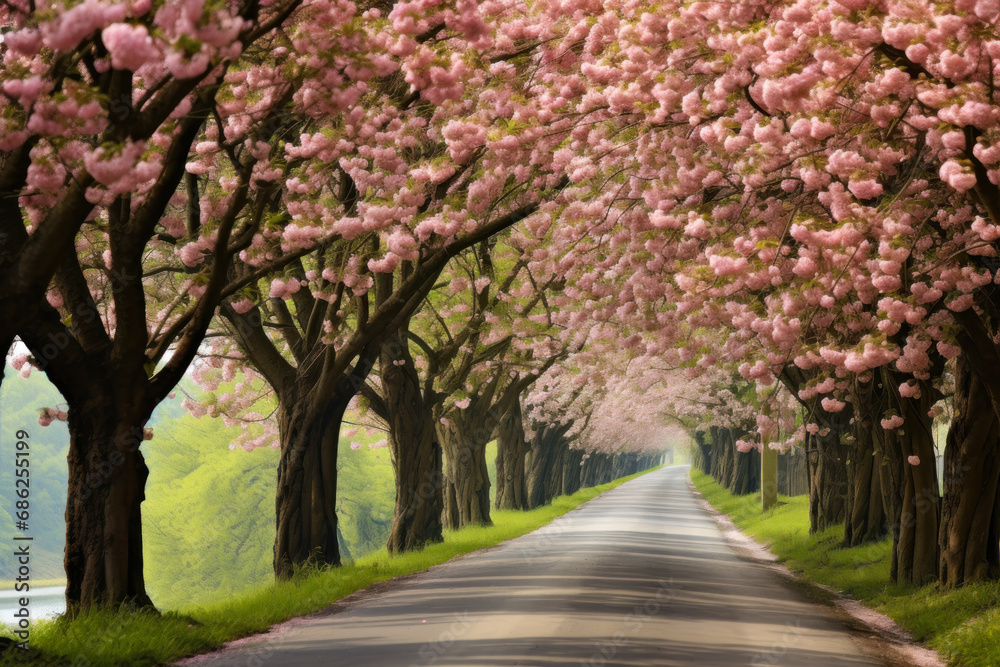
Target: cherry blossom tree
103 104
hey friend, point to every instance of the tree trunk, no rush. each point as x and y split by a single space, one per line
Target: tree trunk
450 516
745 477
512 448
970 524
107 478
725 454
588 472
540 463
415 450
572 466
910 492
827 469
306 499
791 473
464 440
554 481
865 518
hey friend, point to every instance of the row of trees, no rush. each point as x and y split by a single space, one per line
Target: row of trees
712 213
276 191
817 195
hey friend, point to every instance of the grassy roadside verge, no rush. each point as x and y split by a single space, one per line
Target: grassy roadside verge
963 625
104 638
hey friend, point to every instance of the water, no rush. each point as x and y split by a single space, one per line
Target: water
45 602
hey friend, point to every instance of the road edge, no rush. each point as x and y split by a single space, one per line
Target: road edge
877 634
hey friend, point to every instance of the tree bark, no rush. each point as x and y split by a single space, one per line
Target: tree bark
826 466
969 538
107 477
910 492
108 410
450 516
792 479
464 440
865 518
554 481
306 499
512 448
415 451
541 462
572 466
724 454
746 468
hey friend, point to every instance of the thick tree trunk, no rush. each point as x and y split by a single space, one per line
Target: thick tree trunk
745 478
415 450
910 492
305 504
417 520
827 469
107 478
540 463
724 453
969 538
572 466
792 476
512 448
554 481
865 518
464 440
589 470
450 515
605 470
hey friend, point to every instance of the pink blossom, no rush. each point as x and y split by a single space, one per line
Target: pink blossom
867 189
130 46
895 421
242 306
281 289
832 405
955 175
463 403
913 460
108 167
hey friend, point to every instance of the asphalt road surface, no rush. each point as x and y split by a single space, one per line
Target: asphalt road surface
638 576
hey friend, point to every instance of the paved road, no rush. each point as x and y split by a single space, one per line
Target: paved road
639 576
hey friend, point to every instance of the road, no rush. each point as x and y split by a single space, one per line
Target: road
638 576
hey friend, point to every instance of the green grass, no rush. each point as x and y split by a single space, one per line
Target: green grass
962 625
104 638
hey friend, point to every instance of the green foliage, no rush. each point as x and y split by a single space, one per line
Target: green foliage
123 638
208 518
366 496
963 625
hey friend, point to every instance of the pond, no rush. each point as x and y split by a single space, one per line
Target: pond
44 602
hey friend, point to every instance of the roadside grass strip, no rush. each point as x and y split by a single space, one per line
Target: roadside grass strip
963 625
